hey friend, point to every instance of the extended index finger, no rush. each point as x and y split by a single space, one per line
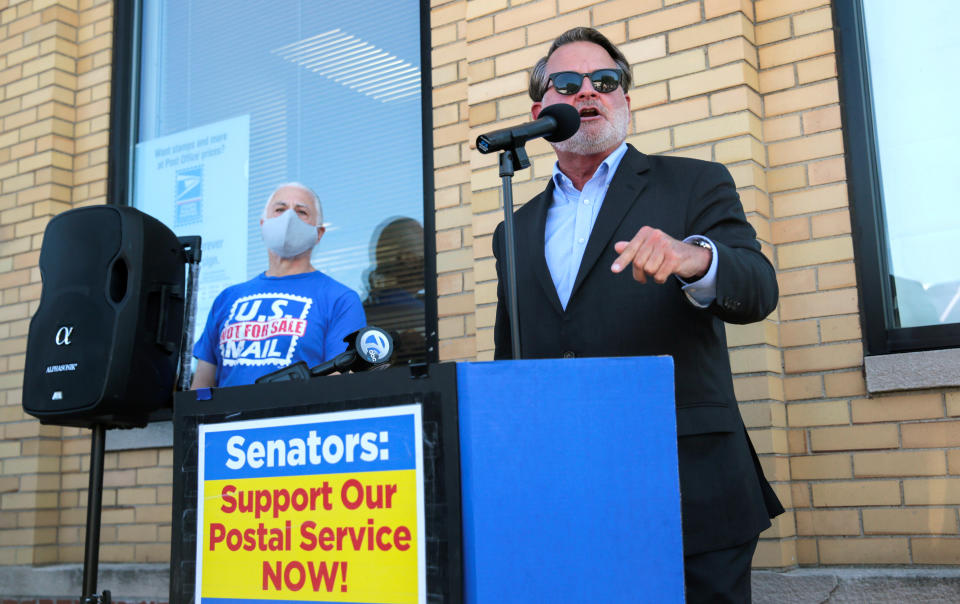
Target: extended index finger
627 252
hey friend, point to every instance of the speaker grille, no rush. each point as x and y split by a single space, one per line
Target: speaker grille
93 352
69 343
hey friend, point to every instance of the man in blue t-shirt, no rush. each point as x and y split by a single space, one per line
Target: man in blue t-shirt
289 313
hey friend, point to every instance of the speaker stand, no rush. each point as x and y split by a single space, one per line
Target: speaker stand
91 557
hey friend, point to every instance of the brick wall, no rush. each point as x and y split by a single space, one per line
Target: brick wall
751 84
137 503
55 59
870 476
451 156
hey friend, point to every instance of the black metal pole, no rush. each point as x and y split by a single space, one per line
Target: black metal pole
507 159
91 558
192 247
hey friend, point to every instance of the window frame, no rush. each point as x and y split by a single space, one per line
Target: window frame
866 198
124 111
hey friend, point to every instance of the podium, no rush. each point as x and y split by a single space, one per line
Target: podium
510 481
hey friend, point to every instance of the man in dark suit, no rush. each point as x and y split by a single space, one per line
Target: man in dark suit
630 254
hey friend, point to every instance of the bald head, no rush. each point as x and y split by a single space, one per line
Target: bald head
296 196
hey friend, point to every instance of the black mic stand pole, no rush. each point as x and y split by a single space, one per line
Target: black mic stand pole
91 557
509 160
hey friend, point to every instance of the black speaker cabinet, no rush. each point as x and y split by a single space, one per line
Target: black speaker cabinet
104 343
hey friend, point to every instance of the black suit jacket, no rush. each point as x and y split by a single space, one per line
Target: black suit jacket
726 500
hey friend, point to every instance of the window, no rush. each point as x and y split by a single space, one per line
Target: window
217 102
897 73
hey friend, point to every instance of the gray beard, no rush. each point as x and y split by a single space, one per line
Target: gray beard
590 143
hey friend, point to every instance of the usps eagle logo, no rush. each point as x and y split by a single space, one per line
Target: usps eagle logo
264 329
188 200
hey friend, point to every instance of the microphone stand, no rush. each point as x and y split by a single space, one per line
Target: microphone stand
509 159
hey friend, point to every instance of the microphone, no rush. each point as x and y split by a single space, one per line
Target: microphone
367 348
556 123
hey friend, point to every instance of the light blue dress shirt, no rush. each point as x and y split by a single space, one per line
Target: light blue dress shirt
570 220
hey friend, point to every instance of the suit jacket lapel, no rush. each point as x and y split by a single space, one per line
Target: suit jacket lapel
628 183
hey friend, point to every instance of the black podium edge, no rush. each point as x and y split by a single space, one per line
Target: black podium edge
436 387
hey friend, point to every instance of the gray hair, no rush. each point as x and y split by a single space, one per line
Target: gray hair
302 187
539 78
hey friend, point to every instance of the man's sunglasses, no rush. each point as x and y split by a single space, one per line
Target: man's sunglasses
569 82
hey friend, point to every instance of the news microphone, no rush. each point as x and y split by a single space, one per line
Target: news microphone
556 123
367 348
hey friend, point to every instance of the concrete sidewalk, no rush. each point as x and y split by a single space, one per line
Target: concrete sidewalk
834 585
874 585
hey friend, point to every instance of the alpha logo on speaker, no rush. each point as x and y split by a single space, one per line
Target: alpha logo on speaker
264 329
63 335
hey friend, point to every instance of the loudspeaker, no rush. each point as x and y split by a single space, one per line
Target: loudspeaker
104 343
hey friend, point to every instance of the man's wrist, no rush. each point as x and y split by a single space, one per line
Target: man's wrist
705 251
701 290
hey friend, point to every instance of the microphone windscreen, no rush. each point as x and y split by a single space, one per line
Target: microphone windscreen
568 121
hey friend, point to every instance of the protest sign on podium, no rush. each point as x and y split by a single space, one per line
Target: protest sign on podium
339 489
517 481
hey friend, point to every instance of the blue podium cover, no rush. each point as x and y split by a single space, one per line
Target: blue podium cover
569 481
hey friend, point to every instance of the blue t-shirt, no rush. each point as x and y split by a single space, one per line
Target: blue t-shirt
267 323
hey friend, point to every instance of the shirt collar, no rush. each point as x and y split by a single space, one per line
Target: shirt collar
605 170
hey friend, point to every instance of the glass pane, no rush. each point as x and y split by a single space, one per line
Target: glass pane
237 97
914 52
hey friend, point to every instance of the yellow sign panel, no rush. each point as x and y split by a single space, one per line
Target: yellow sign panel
323 508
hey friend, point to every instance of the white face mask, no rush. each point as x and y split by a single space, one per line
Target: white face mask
288 236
